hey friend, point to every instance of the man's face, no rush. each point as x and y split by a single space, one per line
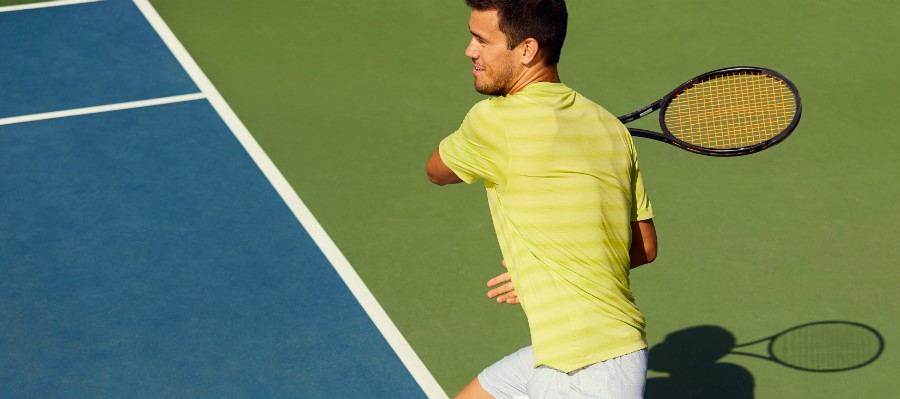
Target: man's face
493 61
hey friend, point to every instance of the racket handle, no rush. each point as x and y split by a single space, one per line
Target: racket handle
640 113
647 134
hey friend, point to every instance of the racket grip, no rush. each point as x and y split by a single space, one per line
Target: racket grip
640 113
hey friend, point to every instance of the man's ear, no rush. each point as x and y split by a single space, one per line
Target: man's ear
529 51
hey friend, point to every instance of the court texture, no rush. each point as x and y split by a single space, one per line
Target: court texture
227 199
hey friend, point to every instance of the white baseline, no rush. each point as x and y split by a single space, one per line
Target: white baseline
57 3
101 108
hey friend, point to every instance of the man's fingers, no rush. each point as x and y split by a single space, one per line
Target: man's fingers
503 289
499 280
505 293
510 298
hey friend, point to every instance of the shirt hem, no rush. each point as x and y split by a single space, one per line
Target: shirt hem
568 367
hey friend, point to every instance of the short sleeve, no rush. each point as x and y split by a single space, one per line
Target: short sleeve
641 208
478 150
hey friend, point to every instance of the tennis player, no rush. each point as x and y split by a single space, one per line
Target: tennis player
568 205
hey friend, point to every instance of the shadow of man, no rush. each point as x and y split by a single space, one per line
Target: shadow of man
691 358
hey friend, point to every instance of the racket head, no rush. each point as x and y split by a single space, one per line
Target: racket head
827 346
731 111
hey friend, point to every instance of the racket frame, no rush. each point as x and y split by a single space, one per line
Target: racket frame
667 137
772 339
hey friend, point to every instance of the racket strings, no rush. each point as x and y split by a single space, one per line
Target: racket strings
827 347
731 111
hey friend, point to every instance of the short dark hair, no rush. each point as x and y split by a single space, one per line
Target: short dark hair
543 20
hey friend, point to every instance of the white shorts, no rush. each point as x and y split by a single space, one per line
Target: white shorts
515 377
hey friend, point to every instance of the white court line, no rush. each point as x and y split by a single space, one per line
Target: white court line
57 3
101 108
384 324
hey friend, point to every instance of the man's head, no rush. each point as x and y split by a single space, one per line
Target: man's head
510 35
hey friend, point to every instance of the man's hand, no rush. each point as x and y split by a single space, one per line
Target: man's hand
503 290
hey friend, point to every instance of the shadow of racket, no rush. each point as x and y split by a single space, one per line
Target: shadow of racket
823 346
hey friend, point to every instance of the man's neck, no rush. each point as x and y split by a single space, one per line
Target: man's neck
542 73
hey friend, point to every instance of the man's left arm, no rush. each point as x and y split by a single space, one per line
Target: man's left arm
438 171
477 150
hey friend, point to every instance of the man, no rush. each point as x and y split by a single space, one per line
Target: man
568 204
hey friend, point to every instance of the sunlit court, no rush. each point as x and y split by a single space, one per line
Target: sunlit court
228 199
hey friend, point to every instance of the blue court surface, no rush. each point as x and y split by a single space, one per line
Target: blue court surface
144 250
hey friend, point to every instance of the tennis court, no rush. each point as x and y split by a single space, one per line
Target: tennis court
347 99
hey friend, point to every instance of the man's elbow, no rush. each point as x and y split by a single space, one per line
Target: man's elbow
651 254
441 175
644 245
438 172
436 179
651 249
642 255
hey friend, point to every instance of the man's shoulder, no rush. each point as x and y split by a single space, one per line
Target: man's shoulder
587 102
486 103
486 108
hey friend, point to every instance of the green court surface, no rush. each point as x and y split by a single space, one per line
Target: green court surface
348 98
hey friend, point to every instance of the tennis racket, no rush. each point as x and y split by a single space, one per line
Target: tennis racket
726 112
821 346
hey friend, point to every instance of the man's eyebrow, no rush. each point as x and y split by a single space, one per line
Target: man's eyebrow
477 35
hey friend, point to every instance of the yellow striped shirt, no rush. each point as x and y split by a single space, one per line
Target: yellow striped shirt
563 186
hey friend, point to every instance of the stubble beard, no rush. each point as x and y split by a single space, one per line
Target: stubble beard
499 86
